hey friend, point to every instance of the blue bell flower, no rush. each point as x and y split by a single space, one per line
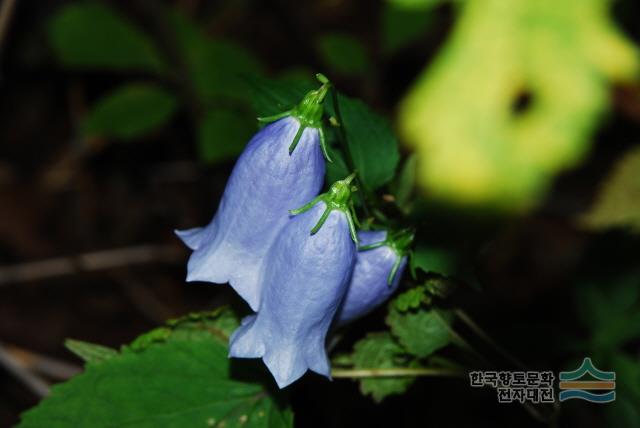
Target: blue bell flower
280 169
380 263
306 275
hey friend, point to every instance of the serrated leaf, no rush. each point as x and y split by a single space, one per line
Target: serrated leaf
514 97
618 201
410 299
223 134
132 110
379 350
401 26
344 54
370 140
183 379
92 35
420 332
90 352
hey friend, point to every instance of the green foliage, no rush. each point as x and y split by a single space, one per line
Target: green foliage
90 352
130 111
411 299
370 142
217 67
416 5
618 202
474 145
272 96
403 187
91 35
379 351
344 54
420 332
401 27
177 376
223 134
431 259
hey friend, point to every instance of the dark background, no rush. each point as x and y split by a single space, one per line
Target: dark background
63 197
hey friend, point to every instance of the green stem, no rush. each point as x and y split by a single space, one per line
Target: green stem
396 372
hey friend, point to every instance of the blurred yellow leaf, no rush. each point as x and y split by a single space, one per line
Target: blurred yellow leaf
618 202
476 144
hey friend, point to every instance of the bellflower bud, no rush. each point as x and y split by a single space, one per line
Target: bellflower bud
380 263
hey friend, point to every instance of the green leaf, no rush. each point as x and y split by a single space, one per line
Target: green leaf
401 27
183 379
270 96
370 140
91 35
431 259
90 352
404 186
223 134
411 299
130 111
415 5
217 67
379 350
421 332
514 97
344 54
618 201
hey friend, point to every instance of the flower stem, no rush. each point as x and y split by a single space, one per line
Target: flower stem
397 372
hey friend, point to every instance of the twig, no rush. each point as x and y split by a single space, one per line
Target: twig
484 336
31 381
143 298
93 261
42 364
396 372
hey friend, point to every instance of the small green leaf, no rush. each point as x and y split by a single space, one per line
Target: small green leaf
93 36
421 332
416 5
401 27
410 299
223 134
90 352
371 142
379 350
130 111
344 54
185 379
217 67
270 96
431 259
404 186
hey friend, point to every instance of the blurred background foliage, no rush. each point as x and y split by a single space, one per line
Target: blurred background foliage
506 132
